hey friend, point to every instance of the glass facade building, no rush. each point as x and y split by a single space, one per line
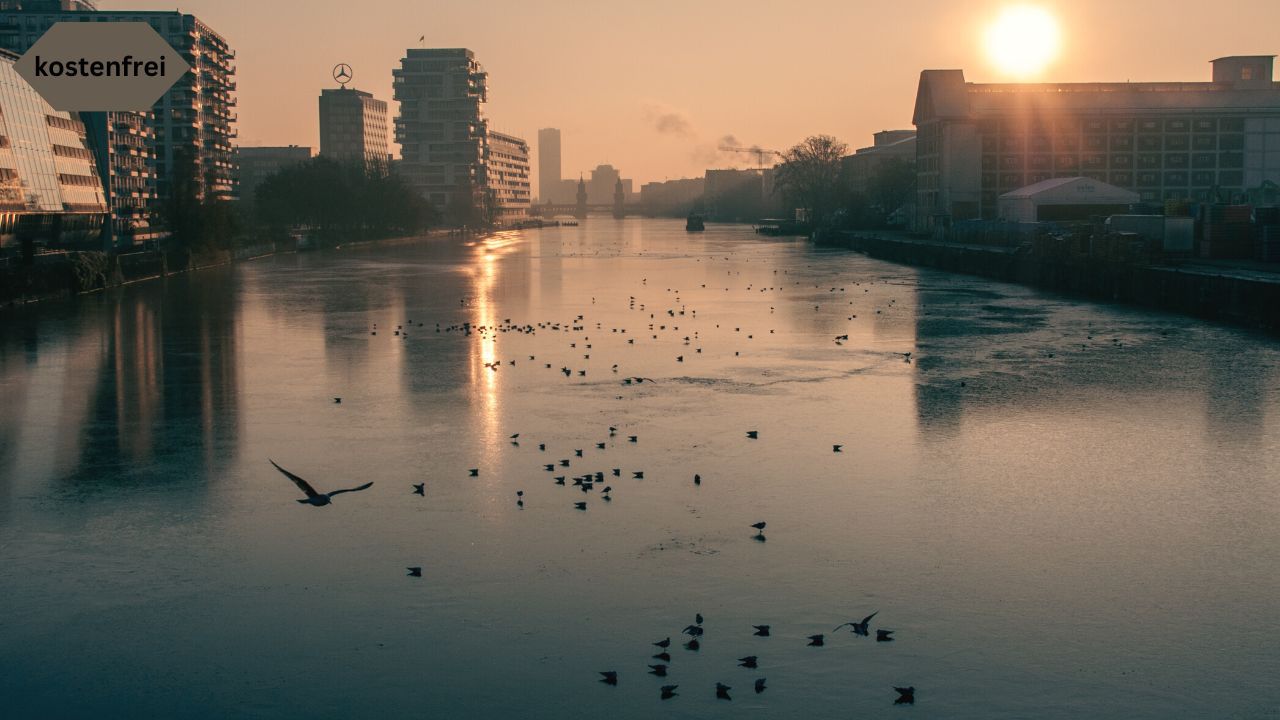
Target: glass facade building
50 192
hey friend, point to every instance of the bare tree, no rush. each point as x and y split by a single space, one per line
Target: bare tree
809 176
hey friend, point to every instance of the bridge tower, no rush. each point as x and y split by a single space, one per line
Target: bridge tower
581 212
619 200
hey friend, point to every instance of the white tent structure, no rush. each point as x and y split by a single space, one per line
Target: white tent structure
1058 199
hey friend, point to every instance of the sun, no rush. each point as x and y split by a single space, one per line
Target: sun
1023 40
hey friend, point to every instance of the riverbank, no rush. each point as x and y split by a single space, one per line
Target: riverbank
67 275
1236 293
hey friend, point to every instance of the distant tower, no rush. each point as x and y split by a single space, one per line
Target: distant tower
581 214
619 200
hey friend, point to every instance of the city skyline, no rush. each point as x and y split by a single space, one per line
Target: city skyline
662 115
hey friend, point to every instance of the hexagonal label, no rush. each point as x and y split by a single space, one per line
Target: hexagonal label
91 66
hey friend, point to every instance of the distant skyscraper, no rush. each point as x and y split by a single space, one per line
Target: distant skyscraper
353 127
549 186
441 128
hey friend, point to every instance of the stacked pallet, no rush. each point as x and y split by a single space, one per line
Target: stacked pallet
1228 232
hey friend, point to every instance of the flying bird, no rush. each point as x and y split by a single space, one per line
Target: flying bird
313 497
859 628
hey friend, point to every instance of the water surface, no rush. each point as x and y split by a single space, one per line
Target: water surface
1063 509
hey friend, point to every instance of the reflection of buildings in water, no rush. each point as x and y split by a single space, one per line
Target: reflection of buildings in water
168 385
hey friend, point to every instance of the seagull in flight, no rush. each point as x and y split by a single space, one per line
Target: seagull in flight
860 628
313 497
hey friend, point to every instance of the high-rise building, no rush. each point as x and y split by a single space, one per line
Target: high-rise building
602 183
255 164
506 176
1166 141
353 127
549 170
192 122
124 150
441 128
50 192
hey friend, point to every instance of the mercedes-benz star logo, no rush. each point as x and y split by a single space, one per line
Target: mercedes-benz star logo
342 73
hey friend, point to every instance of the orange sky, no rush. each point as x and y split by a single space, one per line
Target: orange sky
610 73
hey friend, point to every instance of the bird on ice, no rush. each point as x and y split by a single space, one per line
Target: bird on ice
315 498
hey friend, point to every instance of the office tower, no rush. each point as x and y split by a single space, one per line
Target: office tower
353 128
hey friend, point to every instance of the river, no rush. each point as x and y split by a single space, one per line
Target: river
1061 509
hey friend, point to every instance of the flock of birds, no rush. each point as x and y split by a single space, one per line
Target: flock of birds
695 631
603 479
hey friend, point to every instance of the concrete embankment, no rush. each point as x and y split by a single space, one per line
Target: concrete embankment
1237 294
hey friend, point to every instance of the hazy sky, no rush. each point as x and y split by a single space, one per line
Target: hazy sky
652 86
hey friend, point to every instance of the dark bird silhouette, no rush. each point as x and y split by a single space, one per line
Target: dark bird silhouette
475 472
693 645
753 434
337 400
906 695
420 489
884 636
658 670
414 571
837 448
517 435
693 631
669 691
663 656
577 453
633 438
748 662
559 479
697 618
600 445
760 525
542 446
664 644
313 497
816 641
859 628
610 677
580 505
761 630
759 685
638 475
697 479
722 691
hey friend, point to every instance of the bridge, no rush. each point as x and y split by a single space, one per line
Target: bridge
548 210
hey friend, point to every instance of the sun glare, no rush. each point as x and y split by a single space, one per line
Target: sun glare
1023 40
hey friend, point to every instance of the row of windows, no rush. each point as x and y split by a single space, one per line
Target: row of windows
999 183
1099 161
1095 126
1061 143
78 180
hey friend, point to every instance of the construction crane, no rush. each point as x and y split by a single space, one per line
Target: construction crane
759 152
